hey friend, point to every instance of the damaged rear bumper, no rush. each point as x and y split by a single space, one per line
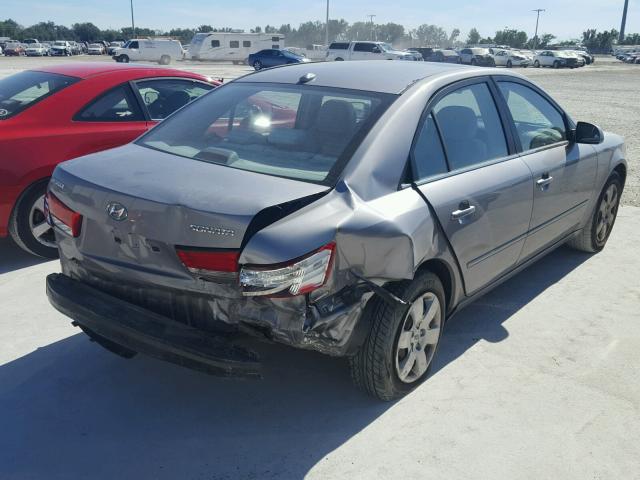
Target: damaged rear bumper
143 331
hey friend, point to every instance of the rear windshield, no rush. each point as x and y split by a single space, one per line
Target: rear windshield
18 92
295 131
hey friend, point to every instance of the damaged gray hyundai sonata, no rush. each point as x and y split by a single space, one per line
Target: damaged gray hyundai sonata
346 208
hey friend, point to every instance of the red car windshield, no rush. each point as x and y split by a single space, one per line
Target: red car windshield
18 92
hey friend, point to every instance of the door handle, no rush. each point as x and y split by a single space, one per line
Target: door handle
544 181
464 210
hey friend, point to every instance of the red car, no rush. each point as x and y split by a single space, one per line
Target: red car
61 112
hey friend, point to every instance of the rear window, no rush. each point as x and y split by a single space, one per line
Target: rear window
18 92
294 131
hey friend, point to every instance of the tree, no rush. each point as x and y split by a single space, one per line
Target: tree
86 32
453 37
431 35
511 37
10 28
473 37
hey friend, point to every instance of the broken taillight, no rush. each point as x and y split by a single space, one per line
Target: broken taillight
202 261
297 277
60 216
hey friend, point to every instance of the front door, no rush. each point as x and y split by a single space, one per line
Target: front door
563 172
481 195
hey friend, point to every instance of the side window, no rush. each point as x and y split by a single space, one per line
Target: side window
117 105
537 121
275 47
134 45
162 97
246 43
363 47
427 158
215 43
275 39
234 44
470 126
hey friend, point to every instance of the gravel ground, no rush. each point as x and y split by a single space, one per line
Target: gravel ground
606 93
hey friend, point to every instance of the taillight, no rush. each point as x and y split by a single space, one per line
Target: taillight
297 277
60 216
208 262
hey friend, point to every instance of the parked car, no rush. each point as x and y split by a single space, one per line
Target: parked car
61 48
76 48
272 57
36 50
339 51
510 58
219 223
0 50
477 56
95 49
112 47
443 56
30 41
14 49
163 51
60 112
417 56
555 59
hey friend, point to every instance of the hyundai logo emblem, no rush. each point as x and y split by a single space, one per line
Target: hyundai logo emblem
117 211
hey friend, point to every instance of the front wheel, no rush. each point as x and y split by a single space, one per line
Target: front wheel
257 65
556 64
536 64
165 60
509 64
28 225
397 355
593 237
123 59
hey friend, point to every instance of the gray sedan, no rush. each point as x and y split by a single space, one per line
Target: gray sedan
349 208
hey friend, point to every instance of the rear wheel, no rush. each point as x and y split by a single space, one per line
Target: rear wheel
556 64
123 59
509 64
397 355
28 225
339 59
473 62
593 237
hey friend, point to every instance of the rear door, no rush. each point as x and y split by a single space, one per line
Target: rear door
563 172
463 163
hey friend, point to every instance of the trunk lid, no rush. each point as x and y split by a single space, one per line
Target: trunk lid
169 201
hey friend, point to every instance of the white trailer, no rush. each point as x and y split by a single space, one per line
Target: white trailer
233 47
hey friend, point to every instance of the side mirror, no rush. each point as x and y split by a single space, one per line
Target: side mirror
588 133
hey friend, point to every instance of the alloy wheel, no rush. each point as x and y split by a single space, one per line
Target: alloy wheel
38 225
418 338
607 213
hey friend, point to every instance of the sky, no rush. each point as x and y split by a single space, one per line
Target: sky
565 19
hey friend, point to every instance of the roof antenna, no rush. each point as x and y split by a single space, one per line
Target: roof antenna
306 78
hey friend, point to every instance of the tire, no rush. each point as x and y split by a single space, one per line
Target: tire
165 60
591 239
257 65
509 64
556 64
27 220
536 64
123 59
339 59
377 368
473 62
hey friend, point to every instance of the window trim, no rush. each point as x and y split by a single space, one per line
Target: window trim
140 100
435 98
129 91
568 122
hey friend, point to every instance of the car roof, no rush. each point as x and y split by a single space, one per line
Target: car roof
89 69
382 76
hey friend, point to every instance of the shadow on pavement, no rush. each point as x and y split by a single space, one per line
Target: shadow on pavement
73 410
13 257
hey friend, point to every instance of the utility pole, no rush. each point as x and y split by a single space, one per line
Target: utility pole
371 17
624 21
326 32
535 36
133 25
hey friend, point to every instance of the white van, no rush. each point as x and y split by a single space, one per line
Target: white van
231 46
161 50
339 51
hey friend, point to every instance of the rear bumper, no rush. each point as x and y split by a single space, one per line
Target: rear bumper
146 332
